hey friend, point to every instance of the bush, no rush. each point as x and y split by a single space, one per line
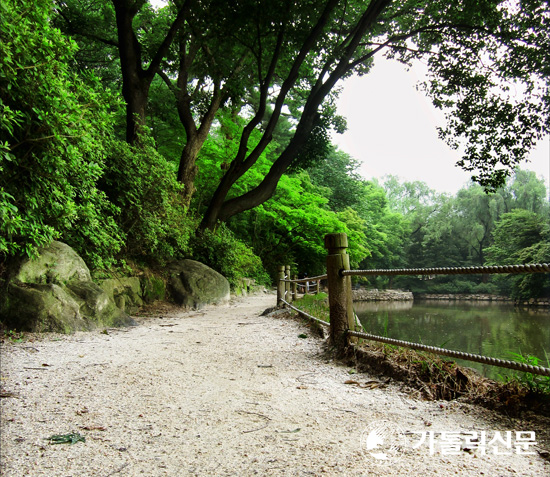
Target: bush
486 288
223 252
143 185
52 129
455 286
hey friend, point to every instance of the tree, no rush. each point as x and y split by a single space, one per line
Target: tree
525 191
522 237
477 213
80 19
338 172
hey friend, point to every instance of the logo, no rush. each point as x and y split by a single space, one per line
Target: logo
384 442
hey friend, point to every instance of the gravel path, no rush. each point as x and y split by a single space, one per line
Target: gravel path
224 391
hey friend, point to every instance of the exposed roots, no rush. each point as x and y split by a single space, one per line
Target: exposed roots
435 378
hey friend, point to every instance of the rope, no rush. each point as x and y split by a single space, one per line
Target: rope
307 315
308 279
528 368
530 268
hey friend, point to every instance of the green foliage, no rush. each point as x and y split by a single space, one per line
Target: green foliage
143 186
52 128
535 382
315 305
290 228
226 254
522 237
14 336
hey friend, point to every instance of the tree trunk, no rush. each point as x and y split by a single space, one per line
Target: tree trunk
136 80
134 87
220 209
188 169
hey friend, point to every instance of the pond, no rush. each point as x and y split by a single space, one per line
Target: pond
483 328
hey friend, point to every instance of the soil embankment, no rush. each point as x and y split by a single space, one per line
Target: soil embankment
226 391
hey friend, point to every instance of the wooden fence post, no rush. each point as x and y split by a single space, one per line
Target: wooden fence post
288 296
280 284
294 288
339 290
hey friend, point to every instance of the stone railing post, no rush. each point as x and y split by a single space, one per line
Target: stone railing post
339 290
280 284
288 296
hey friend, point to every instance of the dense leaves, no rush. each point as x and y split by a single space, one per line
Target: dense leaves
521 236
64 173
53 125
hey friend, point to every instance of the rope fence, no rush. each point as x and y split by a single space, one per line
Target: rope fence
528 368
342 318
531 268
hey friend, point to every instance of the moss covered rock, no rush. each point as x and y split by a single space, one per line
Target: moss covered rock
193 284
55 293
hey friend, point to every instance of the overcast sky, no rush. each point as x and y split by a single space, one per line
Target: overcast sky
392 130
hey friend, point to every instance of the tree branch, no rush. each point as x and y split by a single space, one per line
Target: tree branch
168 39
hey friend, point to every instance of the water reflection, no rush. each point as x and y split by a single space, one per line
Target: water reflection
483 328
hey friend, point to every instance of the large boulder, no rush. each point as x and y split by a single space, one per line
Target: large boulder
57 263
193 284
55 292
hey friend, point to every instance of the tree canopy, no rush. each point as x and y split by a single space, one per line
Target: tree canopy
132 130
488 64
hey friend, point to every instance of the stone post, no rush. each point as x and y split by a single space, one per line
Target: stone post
280 284
288 296
339 290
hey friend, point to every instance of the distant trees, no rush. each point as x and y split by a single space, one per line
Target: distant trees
522 236
508 226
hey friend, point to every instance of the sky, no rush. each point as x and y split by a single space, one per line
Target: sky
392 130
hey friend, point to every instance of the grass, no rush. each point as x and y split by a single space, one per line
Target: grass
315 305
534 382
13 336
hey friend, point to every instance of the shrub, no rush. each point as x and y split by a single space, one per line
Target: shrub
222 251
52 129
143 185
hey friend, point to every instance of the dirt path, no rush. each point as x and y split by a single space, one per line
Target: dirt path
225 391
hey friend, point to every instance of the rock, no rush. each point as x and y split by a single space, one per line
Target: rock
363 294
152 289
125 292
57 263
40 307
193 284
55 293
96 306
